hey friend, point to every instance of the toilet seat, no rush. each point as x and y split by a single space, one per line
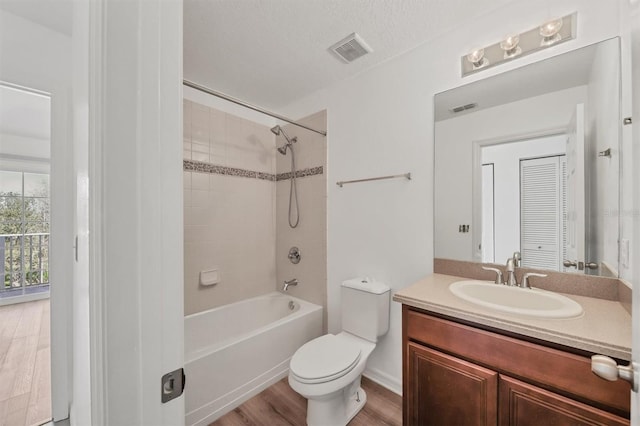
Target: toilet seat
324 359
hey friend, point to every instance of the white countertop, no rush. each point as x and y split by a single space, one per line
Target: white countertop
603 328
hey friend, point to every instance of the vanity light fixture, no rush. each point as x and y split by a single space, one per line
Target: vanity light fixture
550 33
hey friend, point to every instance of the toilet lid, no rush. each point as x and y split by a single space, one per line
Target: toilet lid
324 358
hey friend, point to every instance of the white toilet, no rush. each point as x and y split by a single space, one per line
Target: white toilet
327 369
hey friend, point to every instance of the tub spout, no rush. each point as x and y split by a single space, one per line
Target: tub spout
291 282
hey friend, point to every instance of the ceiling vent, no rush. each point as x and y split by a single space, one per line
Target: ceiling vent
351 48
458 109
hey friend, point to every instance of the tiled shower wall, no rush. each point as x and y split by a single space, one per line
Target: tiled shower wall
236 215
310 236
229 219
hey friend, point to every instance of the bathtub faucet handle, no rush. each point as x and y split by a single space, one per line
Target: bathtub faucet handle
291 282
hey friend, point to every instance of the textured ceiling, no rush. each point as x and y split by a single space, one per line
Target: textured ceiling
272 52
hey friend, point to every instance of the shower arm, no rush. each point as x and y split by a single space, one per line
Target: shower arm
289 141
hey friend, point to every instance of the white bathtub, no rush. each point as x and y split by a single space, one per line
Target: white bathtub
235 351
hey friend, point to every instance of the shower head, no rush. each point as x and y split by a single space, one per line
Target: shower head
283 149
277 130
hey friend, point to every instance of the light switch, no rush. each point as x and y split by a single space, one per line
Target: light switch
624 252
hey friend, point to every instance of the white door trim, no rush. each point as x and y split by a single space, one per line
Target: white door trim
135 166
96 59
61 263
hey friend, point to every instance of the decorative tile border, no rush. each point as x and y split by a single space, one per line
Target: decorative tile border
202 167
312 171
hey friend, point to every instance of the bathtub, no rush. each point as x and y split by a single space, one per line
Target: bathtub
235 351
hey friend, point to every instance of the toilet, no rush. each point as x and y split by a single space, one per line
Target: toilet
327 370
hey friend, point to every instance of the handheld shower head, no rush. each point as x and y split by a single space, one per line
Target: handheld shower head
283 149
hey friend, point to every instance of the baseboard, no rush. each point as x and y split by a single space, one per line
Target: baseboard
24 298
385 380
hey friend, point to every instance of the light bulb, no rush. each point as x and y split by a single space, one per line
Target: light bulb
550 32
477 59
510 46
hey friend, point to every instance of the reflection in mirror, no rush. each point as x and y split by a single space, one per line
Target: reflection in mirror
528 161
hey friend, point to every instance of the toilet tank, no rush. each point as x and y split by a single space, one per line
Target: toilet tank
365 308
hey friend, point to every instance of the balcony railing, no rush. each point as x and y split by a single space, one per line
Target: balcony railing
26 260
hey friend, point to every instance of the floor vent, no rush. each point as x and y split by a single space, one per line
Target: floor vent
351 48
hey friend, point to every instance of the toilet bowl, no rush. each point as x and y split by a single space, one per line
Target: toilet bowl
327 370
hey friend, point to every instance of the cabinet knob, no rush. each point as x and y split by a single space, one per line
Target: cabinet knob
608 369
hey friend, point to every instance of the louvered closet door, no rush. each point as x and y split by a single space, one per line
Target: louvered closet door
541 213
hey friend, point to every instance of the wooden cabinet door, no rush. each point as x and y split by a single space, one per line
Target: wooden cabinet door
444 390
522 404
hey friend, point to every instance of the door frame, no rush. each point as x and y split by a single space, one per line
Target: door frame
476 179
135 290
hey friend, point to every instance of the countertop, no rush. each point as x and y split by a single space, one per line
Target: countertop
604 327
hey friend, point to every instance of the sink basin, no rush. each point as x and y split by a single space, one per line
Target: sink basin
515 300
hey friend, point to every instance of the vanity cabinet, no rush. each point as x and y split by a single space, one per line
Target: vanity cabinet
457 374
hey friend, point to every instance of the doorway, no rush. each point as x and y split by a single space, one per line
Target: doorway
502 198
25 348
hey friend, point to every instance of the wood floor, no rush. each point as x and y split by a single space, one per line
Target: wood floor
281 405
25 366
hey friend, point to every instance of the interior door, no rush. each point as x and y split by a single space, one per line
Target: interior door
575 187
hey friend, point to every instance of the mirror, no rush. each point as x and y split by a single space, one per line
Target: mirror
529 161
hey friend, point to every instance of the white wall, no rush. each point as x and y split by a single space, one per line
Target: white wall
454 140
25 146
36 57
32 55
381 122
506 160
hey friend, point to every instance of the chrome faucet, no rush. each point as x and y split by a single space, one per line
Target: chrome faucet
291 282
512 264
511 272
516 259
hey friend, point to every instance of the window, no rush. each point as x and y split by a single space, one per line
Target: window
24 229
